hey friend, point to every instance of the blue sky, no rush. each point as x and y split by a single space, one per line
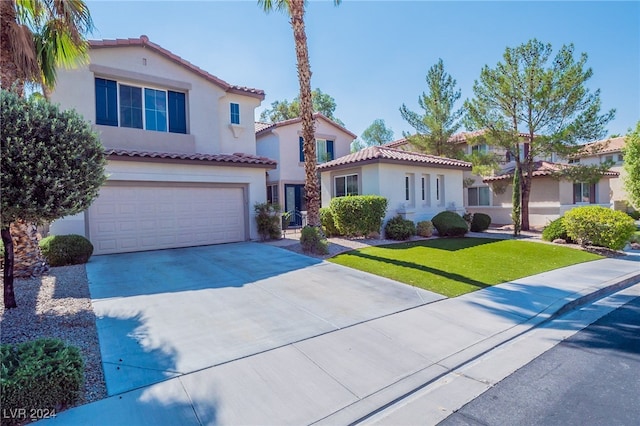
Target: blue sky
373 56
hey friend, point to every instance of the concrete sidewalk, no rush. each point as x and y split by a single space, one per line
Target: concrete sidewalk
344 376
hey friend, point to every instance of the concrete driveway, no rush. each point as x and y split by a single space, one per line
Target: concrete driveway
167 313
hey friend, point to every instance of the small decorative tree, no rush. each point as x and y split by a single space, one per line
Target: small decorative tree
52 166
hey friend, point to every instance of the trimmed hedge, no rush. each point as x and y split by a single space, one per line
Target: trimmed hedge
327 222
480 222
62 250
599 226
398 228
450 224
43 374
424 228
556 230
359 214
312 240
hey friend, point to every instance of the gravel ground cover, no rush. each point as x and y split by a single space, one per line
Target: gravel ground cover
58 305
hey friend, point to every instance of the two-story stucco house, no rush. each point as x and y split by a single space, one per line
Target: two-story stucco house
607 150
550 197
416 186
282 141
180 142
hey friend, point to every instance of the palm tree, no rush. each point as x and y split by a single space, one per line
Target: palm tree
36 37
39 35
295 10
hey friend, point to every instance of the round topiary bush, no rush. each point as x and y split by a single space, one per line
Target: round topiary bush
556 230
424 228
398 228
599 226
480 222
450 224
62 250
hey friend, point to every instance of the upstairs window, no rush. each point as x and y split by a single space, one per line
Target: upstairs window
324 150
125 106
235 113
481 148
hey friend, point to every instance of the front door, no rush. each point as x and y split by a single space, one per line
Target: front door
294 203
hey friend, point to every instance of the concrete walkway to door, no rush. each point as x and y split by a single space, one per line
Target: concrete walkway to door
168 313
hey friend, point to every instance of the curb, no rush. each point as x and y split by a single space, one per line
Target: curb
362 410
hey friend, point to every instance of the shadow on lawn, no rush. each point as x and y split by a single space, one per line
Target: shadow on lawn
449 244
422 268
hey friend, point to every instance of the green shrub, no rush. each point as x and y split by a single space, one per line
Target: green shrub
449 224
268 220
312 240
556 230
424 228
327 222
358 215
398 228
44 374
1 249
480 222
634 214
599 226
61 250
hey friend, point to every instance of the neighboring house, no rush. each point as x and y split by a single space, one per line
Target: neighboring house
549 198
607 150
180 142
282 141
417 186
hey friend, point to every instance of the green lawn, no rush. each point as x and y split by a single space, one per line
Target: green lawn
455 266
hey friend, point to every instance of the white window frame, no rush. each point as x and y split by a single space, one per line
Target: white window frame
346 185
476 202
425 190
144 105
440 190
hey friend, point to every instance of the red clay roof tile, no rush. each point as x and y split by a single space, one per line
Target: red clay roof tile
237 158
144 42
385 154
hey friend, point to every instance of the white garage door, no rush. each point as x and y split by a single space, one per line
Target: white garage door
138 217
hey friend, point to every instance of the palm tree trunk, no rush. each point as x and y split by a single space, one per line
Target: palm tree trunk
28 259
311 187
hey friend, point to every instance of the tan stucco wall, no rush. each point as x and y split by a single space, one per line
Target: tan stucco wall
208 117
167 172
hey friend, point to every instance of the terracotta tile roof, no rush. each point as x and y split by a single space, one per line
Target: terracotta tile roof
461 137
260 126
390 155
604 146
144 42
234 159
268 126
540 168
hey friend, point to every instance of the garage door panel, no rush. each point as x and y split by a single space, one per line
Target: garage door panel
137 218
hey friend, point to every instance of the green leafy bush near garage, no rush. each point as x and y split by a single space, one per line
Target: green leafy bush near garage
62 250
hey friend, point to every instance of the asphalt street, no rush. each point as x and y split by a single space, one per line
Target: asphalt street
592 378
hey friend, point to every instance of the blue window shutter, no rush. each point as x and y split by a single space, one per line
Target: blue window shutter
301 149
106 102
330 151
177 112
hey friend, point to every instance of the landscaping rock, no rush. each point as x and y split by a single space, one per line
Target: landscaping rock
635 246
559 241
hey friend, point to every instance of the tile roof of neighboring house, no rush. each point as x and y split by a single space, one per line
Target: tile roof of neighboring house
261 125
144 42
461 137
540 168
262 128
604 146
391 155
228 159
